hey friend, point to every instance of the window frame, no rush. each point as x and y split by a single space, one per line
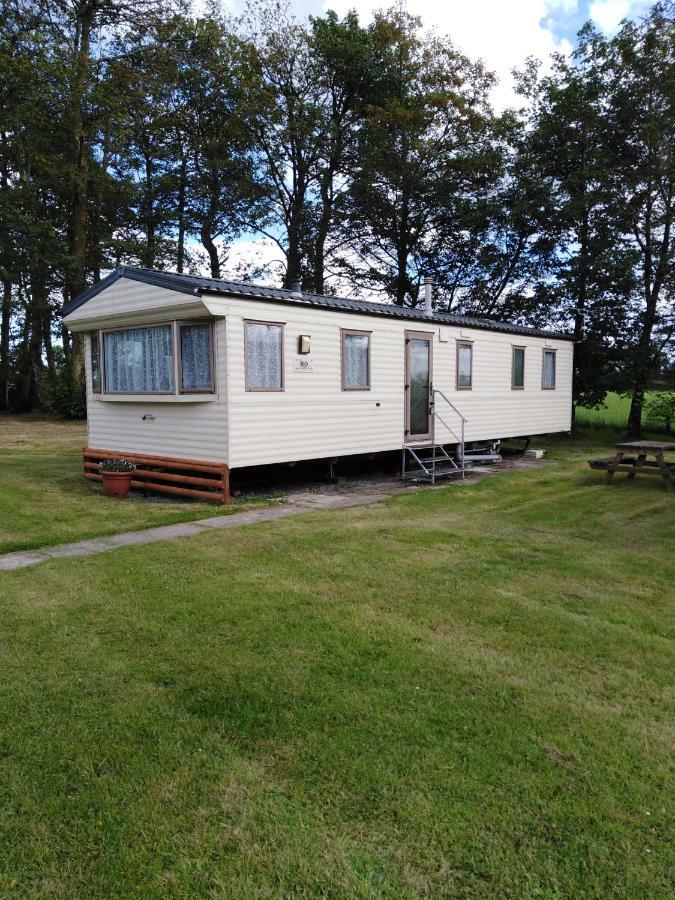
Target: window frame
514 349
104 387
275 390
182 323
358 333
95 339
458 344
554 354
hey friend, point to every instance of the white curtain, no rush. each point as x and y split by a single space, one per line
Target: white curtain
195 353
549 370
263 357
355 360
139 360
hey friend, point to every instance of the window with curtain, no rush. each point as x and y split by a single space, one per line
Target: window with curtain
518 371
355 361
464 366
264 357
95 360
196 357
139 360
548 374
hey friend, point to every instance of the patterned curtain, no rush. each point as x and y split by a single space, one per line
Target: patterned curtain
263 357
195 354
139 360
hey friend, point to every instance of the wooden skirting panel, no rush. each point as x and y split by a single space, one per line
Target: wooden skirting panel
192 478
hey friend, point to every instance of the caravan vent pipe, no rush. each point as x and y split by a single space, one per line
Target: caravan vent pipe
428 295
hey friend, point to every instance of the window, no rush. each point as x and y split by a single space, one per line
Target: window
464 365
264 356
95 360
139 360
355 361
518 369
196 357
548 371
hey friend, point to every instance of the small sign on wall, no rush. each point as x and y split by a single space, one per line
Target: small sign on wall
303 365
443 334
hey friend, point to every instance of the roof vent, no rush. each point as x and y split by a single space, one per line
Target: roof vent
296 289
428 295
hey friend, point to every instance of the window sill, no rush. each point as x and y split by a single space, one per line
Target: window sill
155 398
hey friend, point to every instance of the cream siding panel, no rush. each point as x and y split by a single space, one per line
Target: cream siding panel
314 418
190 430
128 301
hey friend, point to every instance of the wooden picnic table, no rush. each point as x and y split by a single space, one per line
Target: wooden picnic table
639 464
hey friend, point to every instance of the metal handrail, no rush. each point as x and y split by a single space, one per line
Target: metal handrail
435 415
449 402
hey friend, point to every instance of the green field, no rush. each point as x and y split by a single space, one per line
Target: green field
614 413
462 692
45 500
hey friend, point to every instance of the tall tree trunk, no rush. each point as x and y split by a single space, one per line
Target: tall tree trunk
79 151
182 185
148 257
206 235
322 229
5 330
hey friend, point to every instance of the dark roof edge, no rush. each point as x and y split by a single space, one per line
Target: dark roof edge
434 318
174 282
159 279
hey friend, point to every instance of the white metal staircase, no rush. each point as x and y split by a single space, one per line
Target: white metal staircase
431 460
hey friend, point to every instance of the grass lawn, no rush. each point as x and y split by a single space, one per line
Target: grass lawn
613 413
462 692
45 500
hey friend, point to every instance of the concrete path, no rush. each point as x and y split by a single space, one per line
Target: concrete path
299 503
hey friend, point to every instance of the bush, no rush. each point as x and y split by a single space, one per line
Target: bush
65 393
661 408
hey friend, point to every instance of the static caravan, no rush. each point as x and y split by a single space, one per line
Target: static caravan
193 377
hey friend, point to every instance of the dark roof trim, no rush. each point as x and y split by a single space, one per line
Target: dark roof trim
197 285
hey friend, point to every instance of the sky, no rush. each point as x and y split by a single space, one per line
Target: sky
503 33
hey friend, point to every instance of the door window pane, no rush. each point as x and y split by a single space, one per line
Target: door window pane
464 365
548 380
355 361
139 360
518 378
195 355
264 357
419 351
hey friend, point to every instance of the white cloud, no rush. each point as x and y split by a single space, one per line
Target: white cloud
503 33
607 14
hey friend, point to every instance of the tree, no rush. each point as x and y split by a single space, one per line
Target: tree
641 64
422 150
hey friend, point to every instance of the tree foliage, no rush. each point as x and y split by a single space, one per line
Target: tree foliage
367 154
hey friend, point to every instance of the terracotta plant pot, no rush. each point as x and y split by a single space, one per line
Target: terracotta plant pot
116 484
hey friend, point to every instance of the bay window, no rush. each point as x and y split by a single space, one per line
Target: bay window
171 358
196 357
139 360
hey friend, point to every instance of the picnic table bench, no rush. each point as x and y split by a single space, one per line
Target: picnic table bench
639 464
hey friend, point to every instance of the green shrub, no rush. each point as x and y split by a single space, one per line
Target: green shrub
661 408
65 393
